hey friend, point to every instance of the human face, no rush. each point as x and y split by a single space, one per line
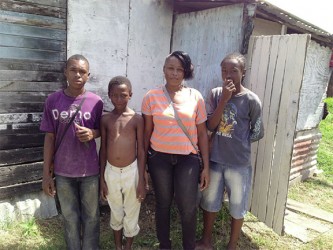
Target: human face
173 71
232 71
120 95
77 74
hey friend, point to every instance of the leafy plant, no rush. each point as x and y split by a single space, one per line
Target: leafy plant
29 228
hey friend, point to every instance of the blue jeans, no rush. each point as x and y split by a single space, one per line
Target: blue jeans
175 176
78 199
237 182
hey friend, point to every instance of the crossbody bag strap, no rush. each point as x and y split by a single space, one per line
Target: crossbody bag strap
68 125
180 124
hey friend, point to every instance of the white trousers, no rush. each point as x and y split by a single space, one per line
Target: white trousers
125 208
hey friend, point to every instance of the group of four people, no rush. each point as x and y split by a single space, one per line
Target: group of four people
170 138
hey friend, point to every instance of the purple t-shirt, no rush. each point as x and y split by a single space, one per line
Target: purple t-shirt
73 158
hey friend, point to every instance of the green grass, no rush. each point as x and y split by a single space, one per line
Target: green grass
325 152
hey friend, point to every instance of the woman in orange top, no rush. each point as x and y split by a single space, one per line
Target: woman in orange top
173 161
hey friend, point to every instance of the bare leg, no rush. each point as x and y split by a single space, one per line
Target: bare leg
118 235
236 226
129 242
206 243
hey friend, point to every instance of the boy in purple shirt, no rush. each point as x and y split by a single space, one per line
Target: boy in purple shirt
73 159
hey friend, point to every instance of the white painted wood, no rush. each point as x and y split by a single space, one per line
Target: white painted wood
150 27
269 117
252 85
288 115
13 118
270 134
263 90
313 91
208 36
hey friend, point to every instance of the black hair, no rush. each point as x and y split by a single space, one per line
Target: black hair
119 80
185 60
77 57
238 56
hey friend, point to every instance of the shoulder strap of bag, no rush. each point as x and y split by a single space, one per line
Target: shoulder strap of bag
68 125
180 124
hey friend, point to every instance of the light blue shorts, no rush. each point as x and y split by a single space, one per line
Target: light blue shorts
236 181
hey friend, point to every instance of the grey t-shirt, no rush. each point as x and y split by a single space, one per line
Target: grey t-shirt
241 124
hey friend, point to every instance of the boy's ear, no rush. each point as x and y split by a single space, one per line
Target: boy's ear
131 94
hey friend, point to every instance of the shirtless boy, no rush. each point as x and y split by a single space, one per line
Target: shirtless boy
122 162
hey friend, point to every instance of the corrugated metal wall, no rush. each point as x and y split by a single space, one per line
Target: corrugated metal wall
32 56
304 157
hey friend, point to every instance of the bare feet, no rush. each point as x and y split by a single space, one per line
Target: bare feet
232 246
201 245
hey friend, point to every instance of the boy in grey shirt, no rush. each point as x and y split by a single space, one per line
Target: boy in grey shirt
235 117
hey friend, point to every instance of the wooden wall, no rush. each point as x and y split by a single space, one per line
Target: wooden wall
32 55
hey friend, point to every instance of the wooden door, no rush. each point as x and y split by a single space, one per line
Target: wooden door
275 72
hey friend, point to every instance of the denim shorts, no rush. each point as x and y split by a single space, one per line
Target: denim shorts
236 181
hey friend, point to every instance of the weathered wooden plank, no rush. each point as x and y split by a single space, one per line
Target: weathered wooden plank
22 53
283 137
10 175
31 43
13 118
249 58
290 97
278 67
29 76
299 231
20 155
32 20
32 31
15 86
20 128
21 107
22 188
264 92
254 146
21 141
309 210
55 3
311 223
29 97
33 8
269 117
31 65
